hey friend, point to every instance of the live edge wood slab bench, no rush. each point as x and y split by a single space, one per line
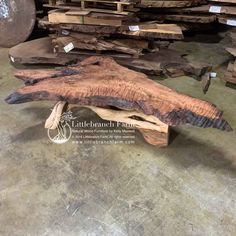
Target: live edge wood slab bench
101 84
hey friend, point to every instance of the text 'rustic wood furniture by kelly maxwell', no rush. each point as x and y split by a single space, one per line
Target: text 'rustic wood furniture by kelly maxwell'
102 85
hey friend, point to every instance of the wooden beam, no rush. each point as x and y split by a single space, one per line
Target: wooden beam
224 1
89 42
167 4
153 31
232 51
193 18
60 16
85 8
230 74
227 20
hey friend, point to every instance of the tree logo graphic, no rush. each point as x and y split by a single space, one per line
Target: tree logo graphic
63 132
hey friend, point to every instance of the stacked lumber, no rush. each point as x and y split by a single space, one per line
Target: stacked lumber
190 12
225 11
169 3
230 74
166 61
106 27
78 30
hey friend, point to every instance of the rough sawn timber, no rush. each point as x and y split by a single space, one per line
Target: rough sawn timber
100 81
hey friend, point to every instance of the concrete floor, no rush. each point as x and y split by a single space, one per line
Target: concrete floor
187 189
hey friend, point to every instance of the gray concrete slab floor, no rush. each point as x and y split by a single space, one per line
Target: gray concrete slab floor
188 188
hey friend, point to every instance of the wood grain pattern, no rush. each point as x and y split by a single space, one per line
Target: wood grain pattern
169 3
90 42
230 74
100 81
146 30
163 62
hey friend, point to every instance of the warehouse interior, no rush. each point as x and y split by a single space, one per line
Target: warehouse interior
166 174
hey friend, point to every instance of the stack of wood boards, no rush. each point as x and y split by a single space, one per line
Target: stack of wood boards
185 12
225 11
169 3
230 74
198 14
105 27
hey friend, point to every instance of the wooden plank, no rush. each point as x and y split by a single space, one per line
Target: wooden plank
190 18
149 31
98 21
224 1
77 8
232 68
227 10
193 18
153 31
232 51
83 53
196 9
229 77
101 82
93 29
232 36
77 13
59 16
227 20
38 51
230 74
90 42
167 4
108 2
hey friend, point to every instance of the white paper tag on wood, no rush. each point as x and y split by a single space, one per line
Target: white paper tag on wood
231 22
69 47
215 9
213 74
12 59
134 28
65 32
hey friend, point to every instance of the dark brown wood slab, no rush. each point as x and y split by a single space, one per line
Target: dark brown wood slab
165 61
38 51
169 3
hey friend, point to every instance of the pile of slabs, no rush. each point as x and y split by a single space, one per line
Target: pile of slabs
104 27
225 11
230 74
